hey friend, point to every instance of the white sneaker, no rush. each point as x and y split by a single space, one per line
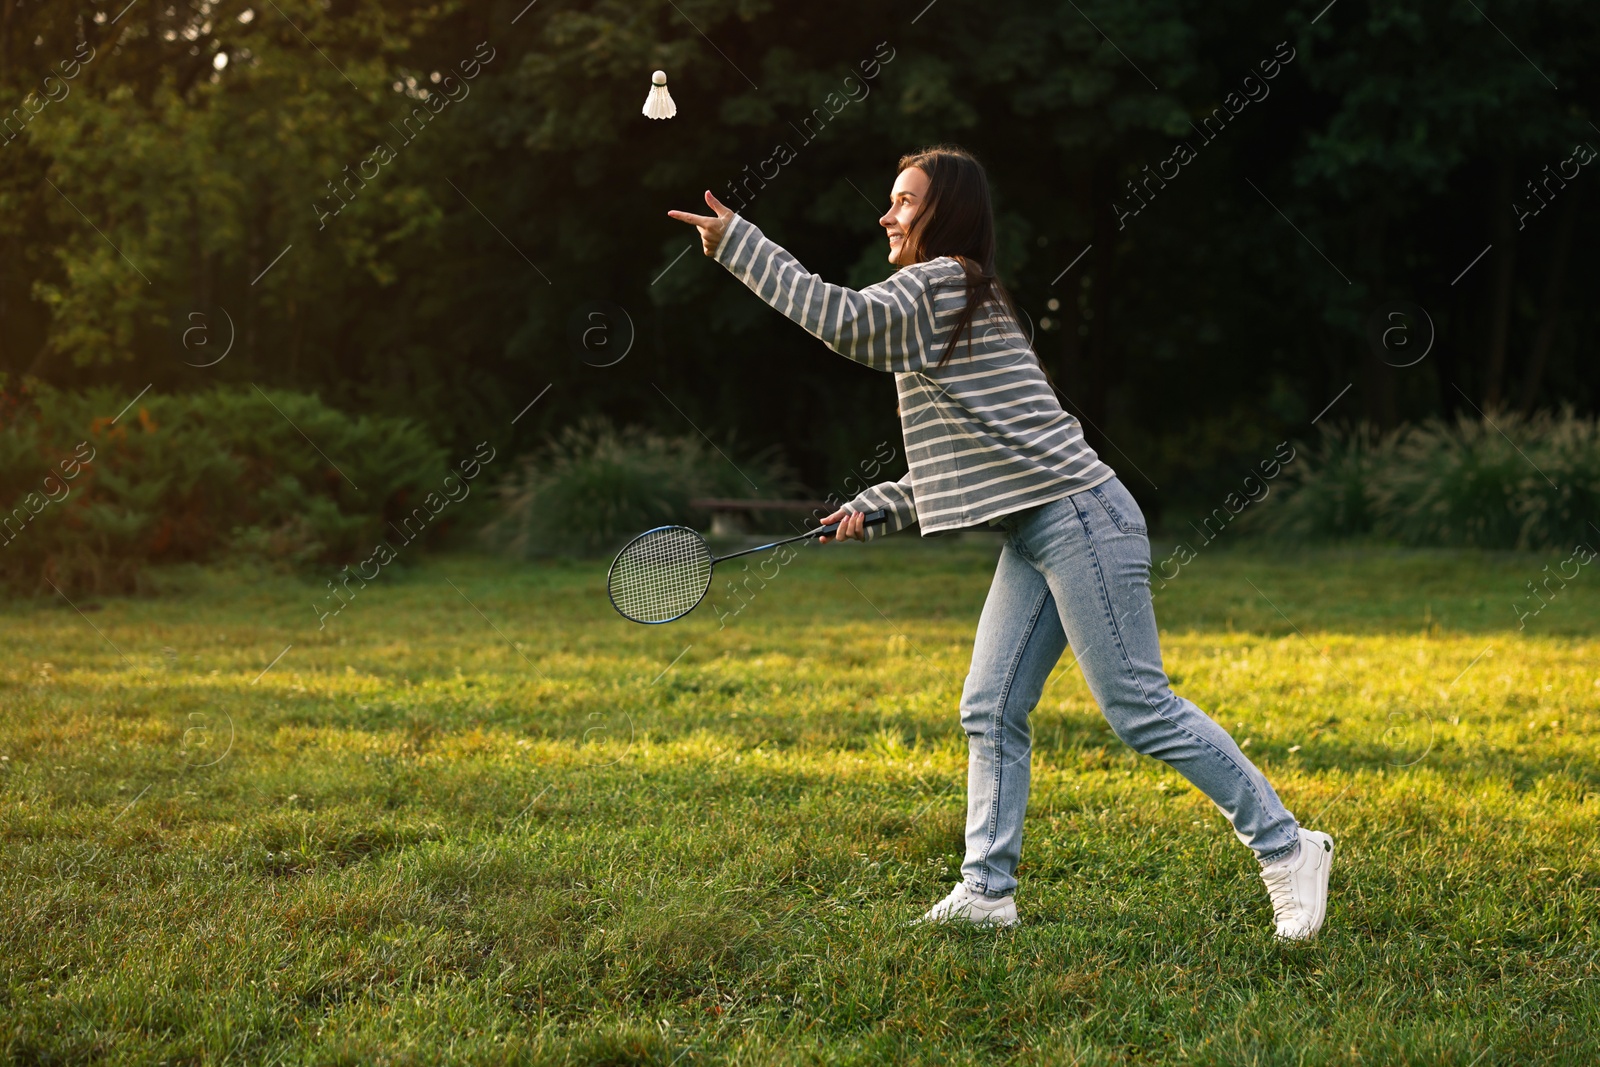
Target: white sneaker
1299 887
963 903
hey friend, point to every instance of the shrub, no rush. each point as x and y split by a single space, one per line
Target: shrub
91 497
1500 480
595 485
1328 492
1454 485
1562 505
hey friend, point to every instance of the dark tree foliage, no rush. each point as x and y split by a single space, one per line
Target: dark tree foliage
1218 216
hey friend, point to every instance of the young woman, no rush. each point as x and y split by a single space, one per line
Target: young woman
987 442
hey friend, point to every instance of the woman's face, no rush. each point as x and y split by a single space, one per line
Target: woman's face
905 200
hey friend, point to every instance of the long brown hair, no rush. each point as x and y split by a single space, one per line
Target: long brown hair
957 219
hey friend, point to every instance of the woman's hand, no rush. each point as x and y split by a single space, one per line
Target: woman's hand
712 227
852 526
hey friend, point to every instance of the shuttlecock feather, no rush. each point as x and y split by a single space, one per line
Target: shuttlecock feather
659 105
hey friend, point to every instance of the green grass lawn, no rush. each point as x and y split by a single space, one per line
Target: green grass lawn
478 818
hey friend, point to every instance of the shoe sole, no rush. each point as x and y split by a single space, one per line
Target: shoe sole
992 920
1006 916
1327 868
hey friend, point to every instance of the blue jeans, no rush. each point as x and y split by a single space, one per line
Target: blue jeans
1077 571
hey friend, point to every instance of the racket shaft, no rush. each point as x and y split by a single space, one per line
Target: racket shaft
873 518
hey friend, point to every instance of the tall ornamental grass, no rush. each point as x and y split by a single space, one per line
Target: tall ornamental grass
1497 480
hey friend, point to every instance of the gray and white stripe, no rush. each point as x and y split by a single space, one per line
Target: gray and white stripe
985 435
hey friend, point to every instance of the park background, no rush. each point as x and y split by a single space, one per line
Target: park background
1381 218
284 285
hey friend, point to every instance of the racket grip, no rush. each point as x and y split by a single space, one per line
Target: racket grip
873 518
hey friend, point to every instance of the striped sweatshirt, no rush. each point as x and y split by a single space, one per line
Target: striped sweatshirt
985 435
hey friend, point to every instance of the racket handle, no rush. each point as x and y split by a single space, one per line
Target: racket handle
873 518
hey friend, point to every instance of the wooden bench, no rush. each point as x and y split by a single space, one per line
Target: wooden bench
726 513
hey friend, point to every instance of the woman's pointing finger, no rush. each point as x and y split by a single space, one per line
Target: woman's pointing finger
693 220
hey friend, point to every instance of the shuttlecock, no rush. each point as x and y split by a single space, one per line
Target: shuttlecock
659 105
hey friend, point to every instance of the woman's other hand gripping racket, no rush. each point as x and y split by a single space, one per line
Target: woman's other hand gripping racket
712 227
852 526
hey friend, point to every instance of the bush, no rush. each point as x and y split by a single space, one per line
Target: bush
91 498
594 486
1328 493
1501 480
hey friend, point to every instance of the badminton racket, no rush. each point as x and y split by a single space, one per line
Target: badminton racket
664 573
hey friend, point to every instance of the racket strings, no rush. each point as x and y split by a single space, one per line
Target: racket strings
661 575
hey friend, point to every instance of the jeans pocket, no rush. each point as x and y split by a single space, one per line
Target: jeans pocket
1120 507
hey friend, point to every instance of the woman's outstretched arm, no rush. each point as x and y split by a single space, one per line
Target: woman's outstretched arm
888 326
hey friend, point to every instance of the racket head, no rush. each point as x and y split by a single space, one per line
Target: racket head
660 576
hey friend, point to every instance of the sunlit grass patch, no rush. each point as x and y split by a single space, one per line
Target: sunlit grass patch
496 823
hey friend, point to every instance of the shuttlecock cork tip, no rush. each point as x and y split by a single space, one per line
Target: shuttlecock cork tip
658 78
